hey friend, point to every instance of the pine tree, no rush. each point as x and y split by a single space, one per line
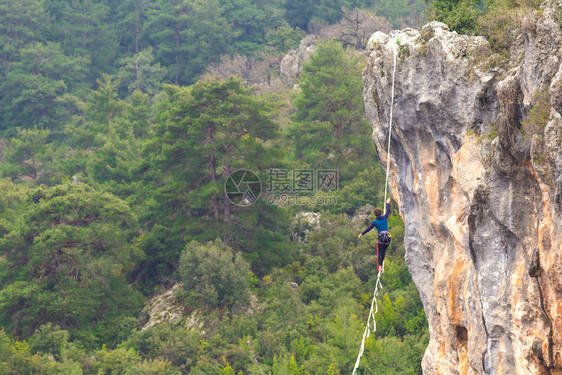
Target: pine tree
140 73
86 30
21 22
187 35
132 15
65 262
34 86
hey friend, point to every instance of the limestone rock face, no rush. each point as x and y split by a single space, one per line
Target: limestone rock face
291 64
483 217
166 308
163 308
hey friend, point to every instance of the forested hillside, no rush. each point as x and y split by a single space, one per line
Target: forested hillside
120 122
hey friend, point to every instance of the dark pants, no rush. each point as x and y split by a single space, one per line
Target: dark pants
382 245
381 251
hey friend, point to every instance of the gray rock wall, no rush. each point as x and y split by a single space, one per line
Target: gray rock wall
481 203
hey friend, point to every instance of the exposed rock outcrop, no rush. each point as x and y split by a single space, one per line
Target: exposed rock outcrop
166 308
483 219
291 64
303 224
163 308
363 215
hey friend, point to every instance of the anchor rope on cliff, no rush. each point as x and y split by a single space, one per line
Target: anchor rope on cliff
371 321
390 125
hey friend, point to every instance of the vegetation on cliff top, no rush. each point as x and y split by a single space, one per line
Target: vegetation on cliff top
499 21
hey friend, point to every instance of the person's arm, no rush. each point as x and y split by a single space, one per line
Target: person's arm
387 209
371 226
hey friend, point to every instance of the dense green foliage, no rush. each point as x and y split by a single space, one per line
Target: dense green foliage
459 15
114 153
52 49
213 276
497 20
328 103
66 250
306 14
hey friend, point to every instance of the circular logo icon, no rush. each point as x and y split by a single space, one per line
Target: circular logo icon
242 187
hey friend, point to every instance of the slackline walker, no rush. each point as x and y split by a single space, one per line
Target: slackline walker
384 236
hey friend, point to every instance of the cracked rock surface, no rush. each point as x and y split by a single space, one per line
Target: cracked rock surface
482 204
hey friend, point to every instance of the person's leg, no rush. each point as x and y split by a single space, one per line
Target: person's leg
378 267
381 253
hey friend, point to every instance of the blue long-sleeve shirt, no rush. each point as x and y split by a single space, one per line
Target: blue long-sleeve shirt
380 222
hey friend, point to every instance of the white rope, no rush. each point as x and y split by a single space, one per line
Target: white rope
389 130
378 284
372 313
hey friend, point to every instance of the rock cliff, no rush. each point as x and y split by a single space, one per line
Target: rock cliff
291 64
479 188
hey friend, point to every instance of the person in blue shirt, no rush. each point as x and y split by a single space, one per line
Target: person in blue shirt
381 223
